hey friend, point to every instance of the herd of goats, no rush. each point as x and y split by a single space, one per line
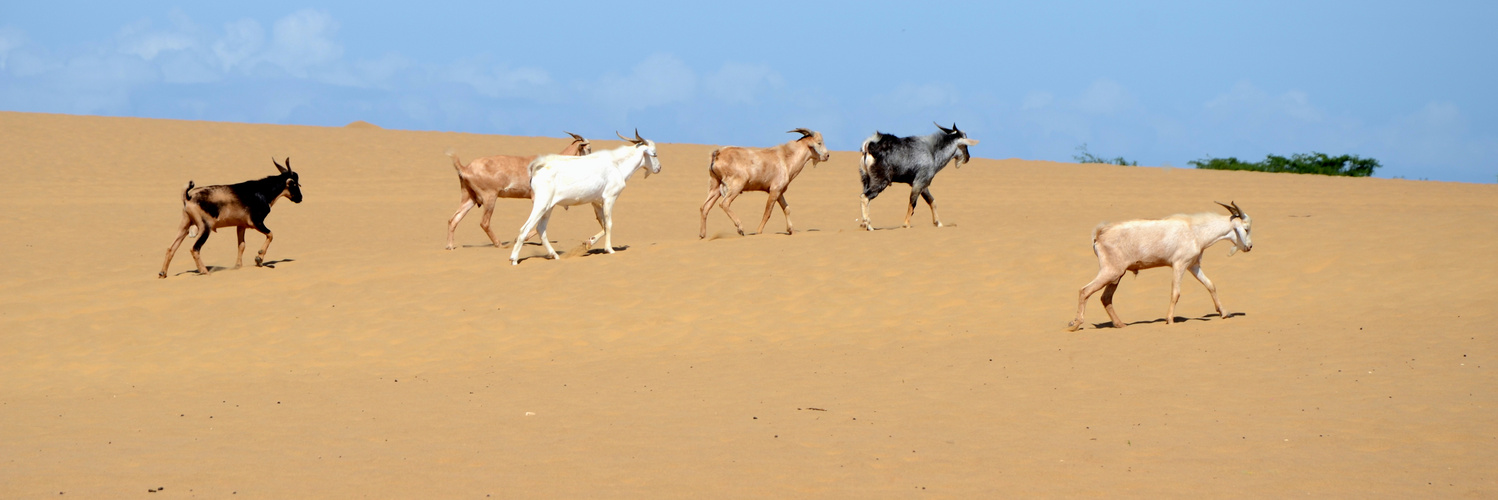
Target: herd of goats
578 176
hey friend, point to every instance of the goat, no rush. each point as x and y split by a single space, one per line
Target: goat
243 205
596 179
909 160
1176 241
734 170
486 179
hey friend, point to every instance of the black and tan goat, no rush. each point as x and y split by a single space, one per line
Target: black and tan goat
243 205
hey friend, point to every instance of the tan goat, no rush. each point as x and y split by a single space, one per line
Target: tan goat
486 179
734 170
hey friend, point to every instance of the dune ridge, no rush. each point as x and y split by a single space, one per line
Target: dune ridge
835 362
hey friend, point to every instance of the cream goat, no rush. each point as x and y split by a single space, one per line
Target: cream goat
1176 241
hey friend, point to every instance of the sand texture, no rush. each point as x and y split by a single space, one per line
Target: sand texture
832 363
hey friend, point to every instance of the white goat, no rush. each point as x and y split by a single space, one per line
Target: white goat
1176 241
596 179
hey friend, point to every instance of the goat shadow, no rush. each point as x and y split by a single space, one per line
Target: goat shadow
1178 319
730 234
216 269
912 226
570 254
505 244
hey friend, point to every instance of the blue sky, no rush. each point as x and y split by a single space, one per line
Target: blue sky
1162 83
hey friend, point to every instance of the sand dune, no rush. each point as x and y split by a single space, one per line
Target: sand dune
921 362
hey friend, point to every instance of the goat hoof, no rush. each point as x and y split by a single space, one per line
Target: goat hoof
161 275
450 247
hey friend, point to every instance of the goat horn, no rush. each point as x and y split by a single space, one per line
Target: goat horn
943 129
804 132
1235 204
574 136
1233 210
638 140
621 136
954 127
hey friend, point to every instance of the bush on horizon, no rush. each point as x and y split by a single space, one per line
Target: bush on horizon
1314 163
1083 156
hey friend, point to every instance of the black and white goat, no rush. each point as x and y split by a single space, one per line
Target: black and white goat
243 205
909 160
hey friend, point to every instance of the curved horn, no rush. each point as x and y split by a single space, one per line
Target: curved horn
954 127
621 136
943 129
1233 210
638 139
1235 204
277 163
575 137
804 132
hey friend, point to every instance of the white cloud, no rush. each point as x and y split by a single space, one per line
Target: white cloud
140 40
659 79
302 40
242 39
1105 97
738 83
10 39
1246 99
1036 100
499 81
909 98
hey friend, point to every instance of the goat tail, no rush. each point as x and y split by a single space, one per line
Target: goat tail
186 192
1096 231
457 164
714 178
536 164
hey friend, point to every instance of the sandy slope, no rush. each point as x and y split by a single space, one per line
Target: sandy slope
916 362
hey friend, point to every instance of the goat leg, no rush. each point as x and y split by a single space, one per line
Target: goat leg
1108 304
260 257
239 259
714 191
1175 292
452 225
727 200
197 247
769 209
865 221
930 202
1196 270
172 250
785 208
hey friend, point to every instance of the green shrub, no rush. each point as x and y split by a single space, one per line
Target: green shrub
1314 163
1083 156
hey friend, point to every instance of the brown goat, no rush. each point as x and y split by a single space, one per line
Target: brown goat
486 179
243 205
735 170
